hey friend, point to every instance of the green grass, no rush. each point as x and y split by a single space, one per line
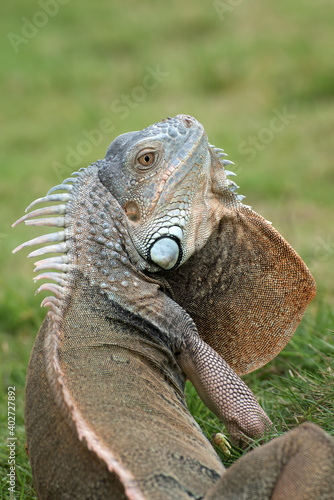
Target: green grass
234 72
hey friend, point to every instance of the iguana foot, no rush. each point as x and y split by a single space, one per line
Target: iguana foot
221 441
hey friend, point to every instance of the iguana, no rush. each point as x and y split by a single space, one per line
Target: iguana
106 415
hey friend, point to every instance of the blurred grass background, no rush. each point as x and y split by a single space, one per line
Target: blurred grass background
258 75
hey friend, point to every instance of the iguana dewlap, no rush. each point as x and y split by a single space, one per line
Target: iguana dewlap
105 410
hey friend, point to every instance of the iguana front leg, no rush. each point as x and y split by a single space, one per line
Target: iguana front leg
222 391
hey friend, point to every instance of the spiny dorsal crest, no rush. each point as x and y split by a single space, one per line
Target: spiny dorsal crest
94 236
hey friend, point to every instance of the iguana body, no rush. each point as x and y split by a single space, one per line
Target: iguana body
105 410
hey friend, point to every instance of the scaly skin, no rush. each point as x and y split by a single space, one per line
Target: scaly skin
106 377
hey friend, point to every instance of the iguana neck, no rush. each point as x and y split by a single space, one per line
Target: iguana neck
94 240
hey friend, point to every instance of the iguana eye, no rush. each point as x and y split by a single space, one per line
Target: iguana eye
147 159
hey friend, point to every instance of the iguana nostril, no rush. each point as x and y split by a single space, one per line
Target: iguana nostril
132 211
165 252
188 121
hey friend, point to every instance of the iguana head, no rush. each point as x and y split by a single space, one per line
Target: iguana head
165 178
